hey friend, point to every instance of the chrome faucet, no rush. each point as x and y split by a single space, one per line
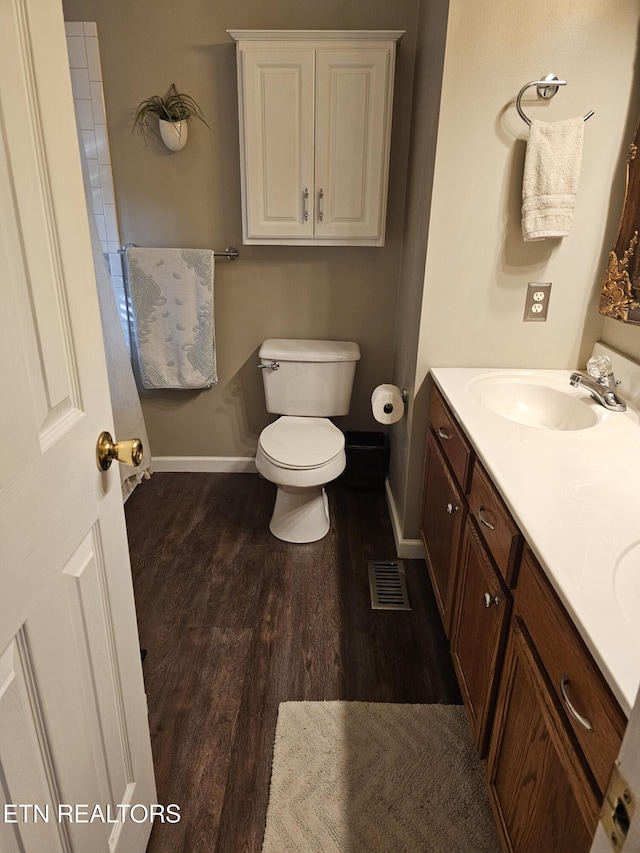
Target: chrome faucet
603 384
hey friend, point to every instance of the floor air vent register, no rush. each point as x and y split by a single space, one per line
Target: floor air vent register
388 585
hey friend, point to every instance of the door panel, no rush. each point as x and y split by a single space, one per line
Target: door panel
478 632
21 732
535 780
443 514
352 111
278 120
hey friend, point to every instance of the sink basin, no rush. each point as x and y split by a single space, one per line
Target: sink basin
626 585
541 401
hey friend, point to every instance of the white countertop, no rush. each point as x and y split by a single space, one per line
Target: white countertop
576 497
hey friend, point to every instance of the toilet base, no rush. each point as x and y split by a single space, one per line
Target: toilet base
300 514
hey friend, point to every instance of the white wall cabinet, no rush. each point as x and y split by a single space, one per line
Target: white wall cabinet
315 128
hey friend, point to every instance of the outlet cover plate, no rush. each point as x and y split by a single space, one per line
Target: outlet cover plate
537 304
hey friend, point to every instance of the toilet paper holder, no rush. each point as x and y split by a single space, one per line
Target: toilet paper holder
388 408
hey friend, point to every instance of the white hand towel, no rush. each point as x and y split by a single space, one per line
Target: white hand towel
551 176
172 297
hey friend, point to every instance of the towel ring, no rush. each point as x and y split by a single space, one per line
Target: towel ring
547 88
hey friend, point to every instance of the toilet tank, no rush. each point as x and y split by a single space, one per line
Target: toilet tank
314 378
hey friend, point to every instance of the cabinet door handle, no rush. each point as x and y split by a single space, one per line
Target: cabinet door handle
490 599
305 202
443 434
451 508
483 520
320 204
564 680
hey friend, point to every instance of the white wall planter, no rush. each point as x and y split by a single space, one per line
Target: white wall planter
174 134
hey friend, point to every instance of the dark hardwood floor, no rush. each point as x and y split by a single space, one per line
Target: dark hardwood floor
235 621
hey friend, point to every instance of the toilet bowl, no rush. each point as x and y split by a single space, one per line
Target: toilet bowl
306 382
300 455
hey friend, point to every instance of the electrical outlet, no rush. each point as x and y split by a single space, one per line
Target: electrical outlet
537 304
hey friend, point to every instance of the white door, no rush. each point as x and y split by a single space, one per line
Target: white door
75 752
278 98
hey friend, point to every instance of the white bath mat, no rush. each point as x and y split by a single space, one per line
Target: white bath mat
361 777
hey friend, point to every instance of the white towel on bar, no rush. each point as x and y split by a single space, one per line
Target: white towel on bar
172 298
551 176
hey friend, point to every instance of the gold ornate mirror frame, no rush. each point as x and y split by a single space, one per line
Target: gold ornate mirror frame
620 296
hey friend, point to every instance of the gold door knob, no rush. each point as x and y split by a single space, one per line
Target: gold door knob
127 452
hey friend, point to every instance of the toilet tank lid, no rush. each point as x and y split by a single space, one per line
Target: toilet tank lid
305 350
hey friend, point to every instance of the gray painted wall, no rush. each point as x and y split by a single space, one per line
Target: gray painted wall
192 198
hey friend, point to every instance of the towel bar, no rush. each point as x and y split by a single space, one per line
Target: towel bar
547 88
230 252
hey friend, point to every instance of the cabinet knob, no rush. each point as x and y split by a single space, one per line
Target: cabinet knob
443 434
451 508
490 599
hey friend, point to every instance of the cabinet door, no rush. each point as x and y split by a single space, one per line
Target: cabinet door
480 622
443 511
353 115
277 137
540 794
588 707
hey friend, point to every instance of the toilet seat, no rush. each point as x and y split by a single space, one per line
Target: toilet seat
300 455
297 443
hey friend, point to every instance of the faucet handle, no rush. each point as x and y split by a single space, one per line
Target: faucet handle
599 366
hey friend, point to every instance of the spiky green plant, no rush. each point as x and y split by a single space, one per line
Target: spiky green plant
175 106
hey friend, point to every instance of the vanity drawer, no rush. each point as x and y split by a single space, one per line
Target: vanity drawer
499 531
576 680
452 440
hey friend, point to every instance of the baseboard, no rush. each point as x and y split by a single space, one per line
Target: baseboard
204 464
406 549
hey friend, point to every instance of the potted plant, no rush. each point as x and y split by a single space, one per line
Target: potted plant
172 114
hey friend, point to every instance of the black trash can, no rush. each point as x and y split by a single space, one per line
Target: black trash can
367 460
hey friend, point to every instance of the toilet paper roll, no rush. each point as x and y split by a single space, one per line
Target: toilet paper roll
386 404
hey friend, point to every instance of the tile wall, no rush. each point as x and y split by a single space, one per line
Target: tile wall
86 81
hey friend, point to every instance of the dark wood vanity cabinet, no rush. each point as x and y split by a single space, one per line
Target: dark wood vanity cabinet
452 439
497 529
537 785
557 728
443 512
588 707
448 466
480 619
540 710
482 604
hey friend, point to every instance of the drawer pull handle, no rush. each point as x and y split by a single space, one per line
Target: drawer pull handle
582 720
483 520
451 508
443 434
490 599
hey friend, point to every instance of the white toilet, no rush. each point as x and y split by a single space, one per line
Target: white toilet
306 382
